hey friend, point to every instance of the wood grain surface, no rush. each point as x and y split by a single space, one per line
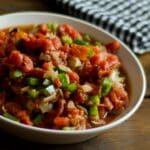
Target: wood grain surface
134 134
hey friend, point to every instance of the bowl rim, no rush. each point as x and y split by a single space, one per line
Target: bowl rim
97 129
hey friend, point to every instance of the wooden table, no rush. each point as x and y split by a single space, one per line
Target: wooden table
134 134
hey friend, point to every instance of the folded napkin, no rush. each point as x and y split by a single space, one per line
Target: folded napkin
128 20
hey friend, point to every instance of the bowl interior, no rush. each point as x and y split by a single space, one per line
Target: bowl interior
130 63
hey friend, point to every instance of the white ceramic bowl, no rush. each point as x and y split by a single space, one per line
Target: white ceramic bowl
131 65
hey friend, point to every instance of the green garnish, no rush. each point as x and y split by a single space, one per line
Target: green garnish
64 79
38 119
97 43
80 42
66 39
106 86
87 37
15 74
33 81
33 93
91 53
95 99
9 116
53 27
93 111
72 87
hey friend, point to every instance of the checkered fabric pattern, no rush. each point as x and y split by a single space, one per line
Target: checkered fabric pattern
129 20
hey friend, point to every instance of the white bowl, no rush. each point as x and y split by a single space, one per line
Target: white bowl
131 65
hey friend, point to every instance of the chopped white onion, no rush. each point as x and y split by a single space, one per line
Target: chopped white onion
117 80
74 62
64 68
87 88
25 89
50 35
71 105
50 89
98 122
44 57
46 107
51 98
51 74
55 56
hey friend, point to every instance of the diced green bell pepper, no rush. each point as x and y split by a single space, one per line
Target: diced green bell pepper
53 27
97 43
72 87
66 39
15 74
9 116
33 93
87 37
95 99
93 110
33 81
106 86
80 42
91 52
64 79
38 119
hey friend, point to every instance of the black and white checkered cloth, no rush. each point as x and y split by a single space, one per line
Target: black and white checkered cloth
129 20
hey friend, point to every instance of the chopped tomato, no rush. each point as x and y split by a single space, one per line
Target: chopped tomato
113 60
24 117
95 60
79 51
47 65
96 50
44 28
37 72
42 43
15 58
117 99
20 60
113 46
61 121
73 111
74 77
12 107
98 58
69 30
27 64
80 96
65 48
57 83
